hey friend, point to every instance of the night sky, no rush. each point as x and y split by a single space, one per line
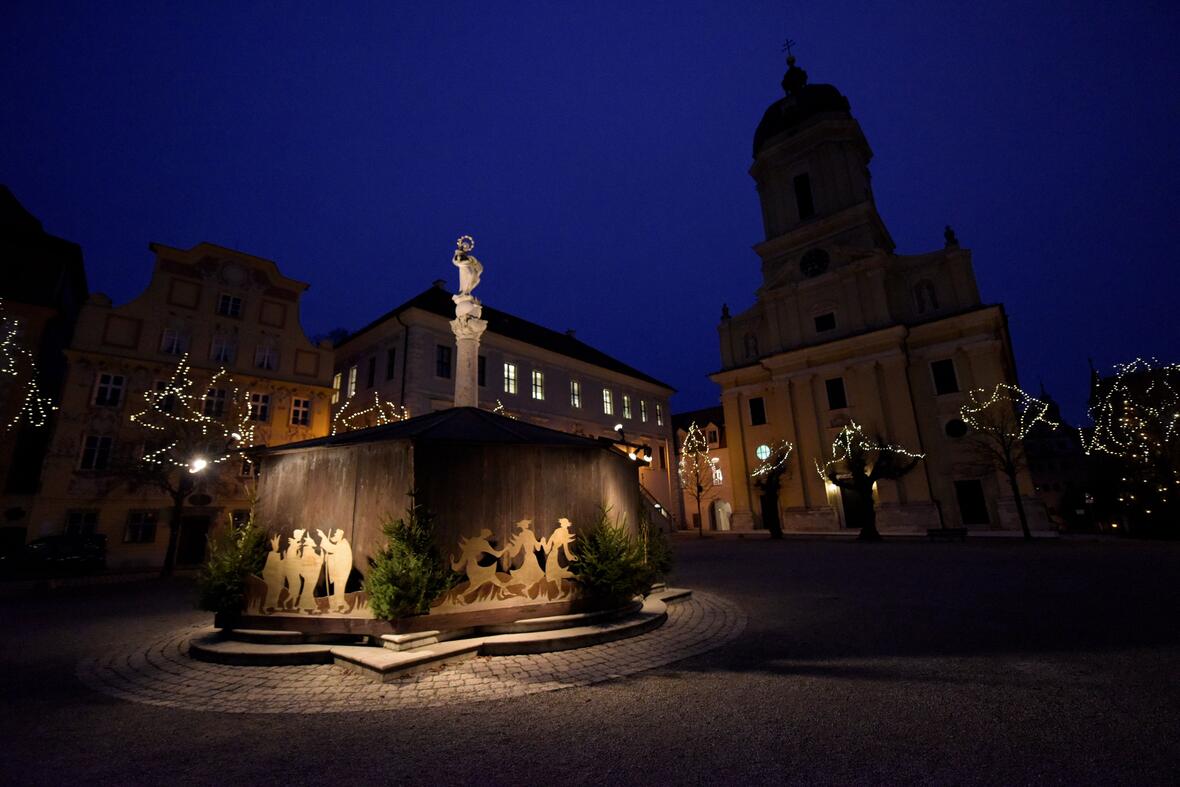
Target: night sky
599 155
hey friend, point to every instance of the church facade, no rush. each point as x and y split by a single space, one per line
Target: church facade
846 330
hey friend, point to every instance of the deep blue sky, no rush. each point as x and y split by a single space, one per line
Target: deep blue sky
599 155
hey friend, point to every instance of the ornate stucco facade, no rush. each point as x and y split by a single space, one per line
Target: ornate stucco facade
219 308
845 329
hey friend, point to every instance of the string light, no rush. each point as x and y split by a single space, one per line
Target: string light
17 361
1027 409
695 466
380 412
499 410
851 440
775 460
178 410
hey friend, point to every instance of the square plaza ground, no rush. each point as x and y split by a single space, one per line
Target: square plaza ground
994 662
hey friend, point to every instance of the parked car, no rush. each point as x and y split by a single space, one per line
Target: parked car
58 554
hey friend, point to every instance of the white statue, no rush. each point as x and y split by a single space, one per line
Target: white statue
469 267
723 510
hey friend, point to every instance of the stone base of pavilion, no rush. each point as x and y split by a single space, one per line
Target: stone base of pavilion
389 656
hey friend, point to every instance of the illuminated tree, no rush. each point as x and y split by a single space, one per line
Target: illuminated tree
1136 421
21 398
768 477
855 463
194 431
696 469
1000 419
353 415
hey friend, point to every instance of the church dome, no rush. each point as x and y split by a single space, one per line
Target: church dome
801 102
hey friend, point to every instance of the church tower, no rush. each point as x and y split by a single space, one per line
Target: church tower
843 329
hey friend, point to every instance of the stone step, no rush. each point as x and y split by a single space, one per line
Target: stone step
650 616
672 595
383 665
212 647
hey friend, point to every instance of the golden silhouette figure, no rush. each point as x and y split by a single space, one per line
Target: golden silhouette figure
272 575
291 568
560 541
481 580
337 566
529 574
311 563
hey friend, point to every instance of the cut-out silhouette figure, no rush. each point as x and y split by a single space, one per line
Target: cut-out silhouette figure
337 565
479 576
560 541
272 575
529 573
311 562
291 568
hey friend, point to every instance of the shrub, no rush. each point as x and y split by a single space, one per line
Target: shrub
235 552
409 572
611 565
657 552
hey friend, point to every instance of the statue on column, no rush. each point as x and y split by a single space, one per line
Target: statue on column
469 267
467 325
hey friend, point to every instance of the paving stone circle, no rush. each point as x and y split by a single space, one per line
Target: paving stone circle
161 673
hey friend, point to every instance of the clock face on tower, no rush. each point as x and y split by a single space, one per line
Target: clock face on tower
814 262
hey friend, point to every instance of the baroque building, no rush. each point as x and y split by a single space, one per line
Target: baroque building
407 358
218 309
845 329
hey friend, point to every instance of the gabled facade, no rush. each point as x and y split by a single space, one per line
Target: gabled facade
219 308
844 329
548 378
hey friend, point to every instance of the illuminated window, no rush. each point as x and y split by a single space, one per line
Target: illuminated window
538 384
509 378
229 305
96 452
336 381
643 410
659 414
713 437
300 412
259 407
141 527
351 383
626 406
608 402
762 452
575 393
215 402
108 390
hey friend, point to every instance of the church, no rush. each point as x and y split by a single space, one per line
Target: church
844 330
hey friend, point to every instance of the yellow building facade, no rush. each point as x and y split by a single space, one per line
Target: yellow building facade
217 309
845 330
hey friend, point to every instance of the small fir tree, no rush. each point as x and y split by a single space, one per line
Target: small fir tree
235 552
408 573
611 566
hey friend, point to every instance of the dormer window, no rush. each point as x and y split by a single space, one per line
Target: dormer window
925 298
751 346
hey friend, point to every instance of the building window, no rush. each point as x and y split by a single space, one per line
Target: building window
626 405
925 298
108 392
972 503
643 410
215 402
81 523
945 379
718 476
538 384
481 371
575 393
659 414
173 342
608 402
442 361
96 452
803 198
751 346
371 375
266 356
509 378
259 407
825 322
390 362
337 379
351 382
229 305
248 469
300 412
837 399
165 398
663 453
222 349
757 411
762 452
141 527
713 437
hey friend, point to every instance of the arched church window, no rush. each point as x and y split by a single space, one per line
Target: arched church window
925 297
751 345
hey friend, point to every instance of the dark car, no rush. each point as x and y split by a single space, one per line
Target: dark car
58 554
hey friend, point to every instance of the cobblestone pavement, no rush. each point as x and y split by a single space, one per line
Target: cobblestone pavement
161 673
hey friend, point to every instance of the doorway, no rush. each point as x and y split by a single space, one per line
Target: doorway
194 533
770 512
853 504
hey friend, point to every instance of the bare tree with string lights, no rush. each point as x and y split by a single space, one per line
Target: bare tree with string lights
855 463
999 420
768 477
696 470
194 432
21 399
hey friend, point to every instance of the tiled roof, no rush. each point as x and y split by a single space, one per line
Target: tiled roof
438 301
